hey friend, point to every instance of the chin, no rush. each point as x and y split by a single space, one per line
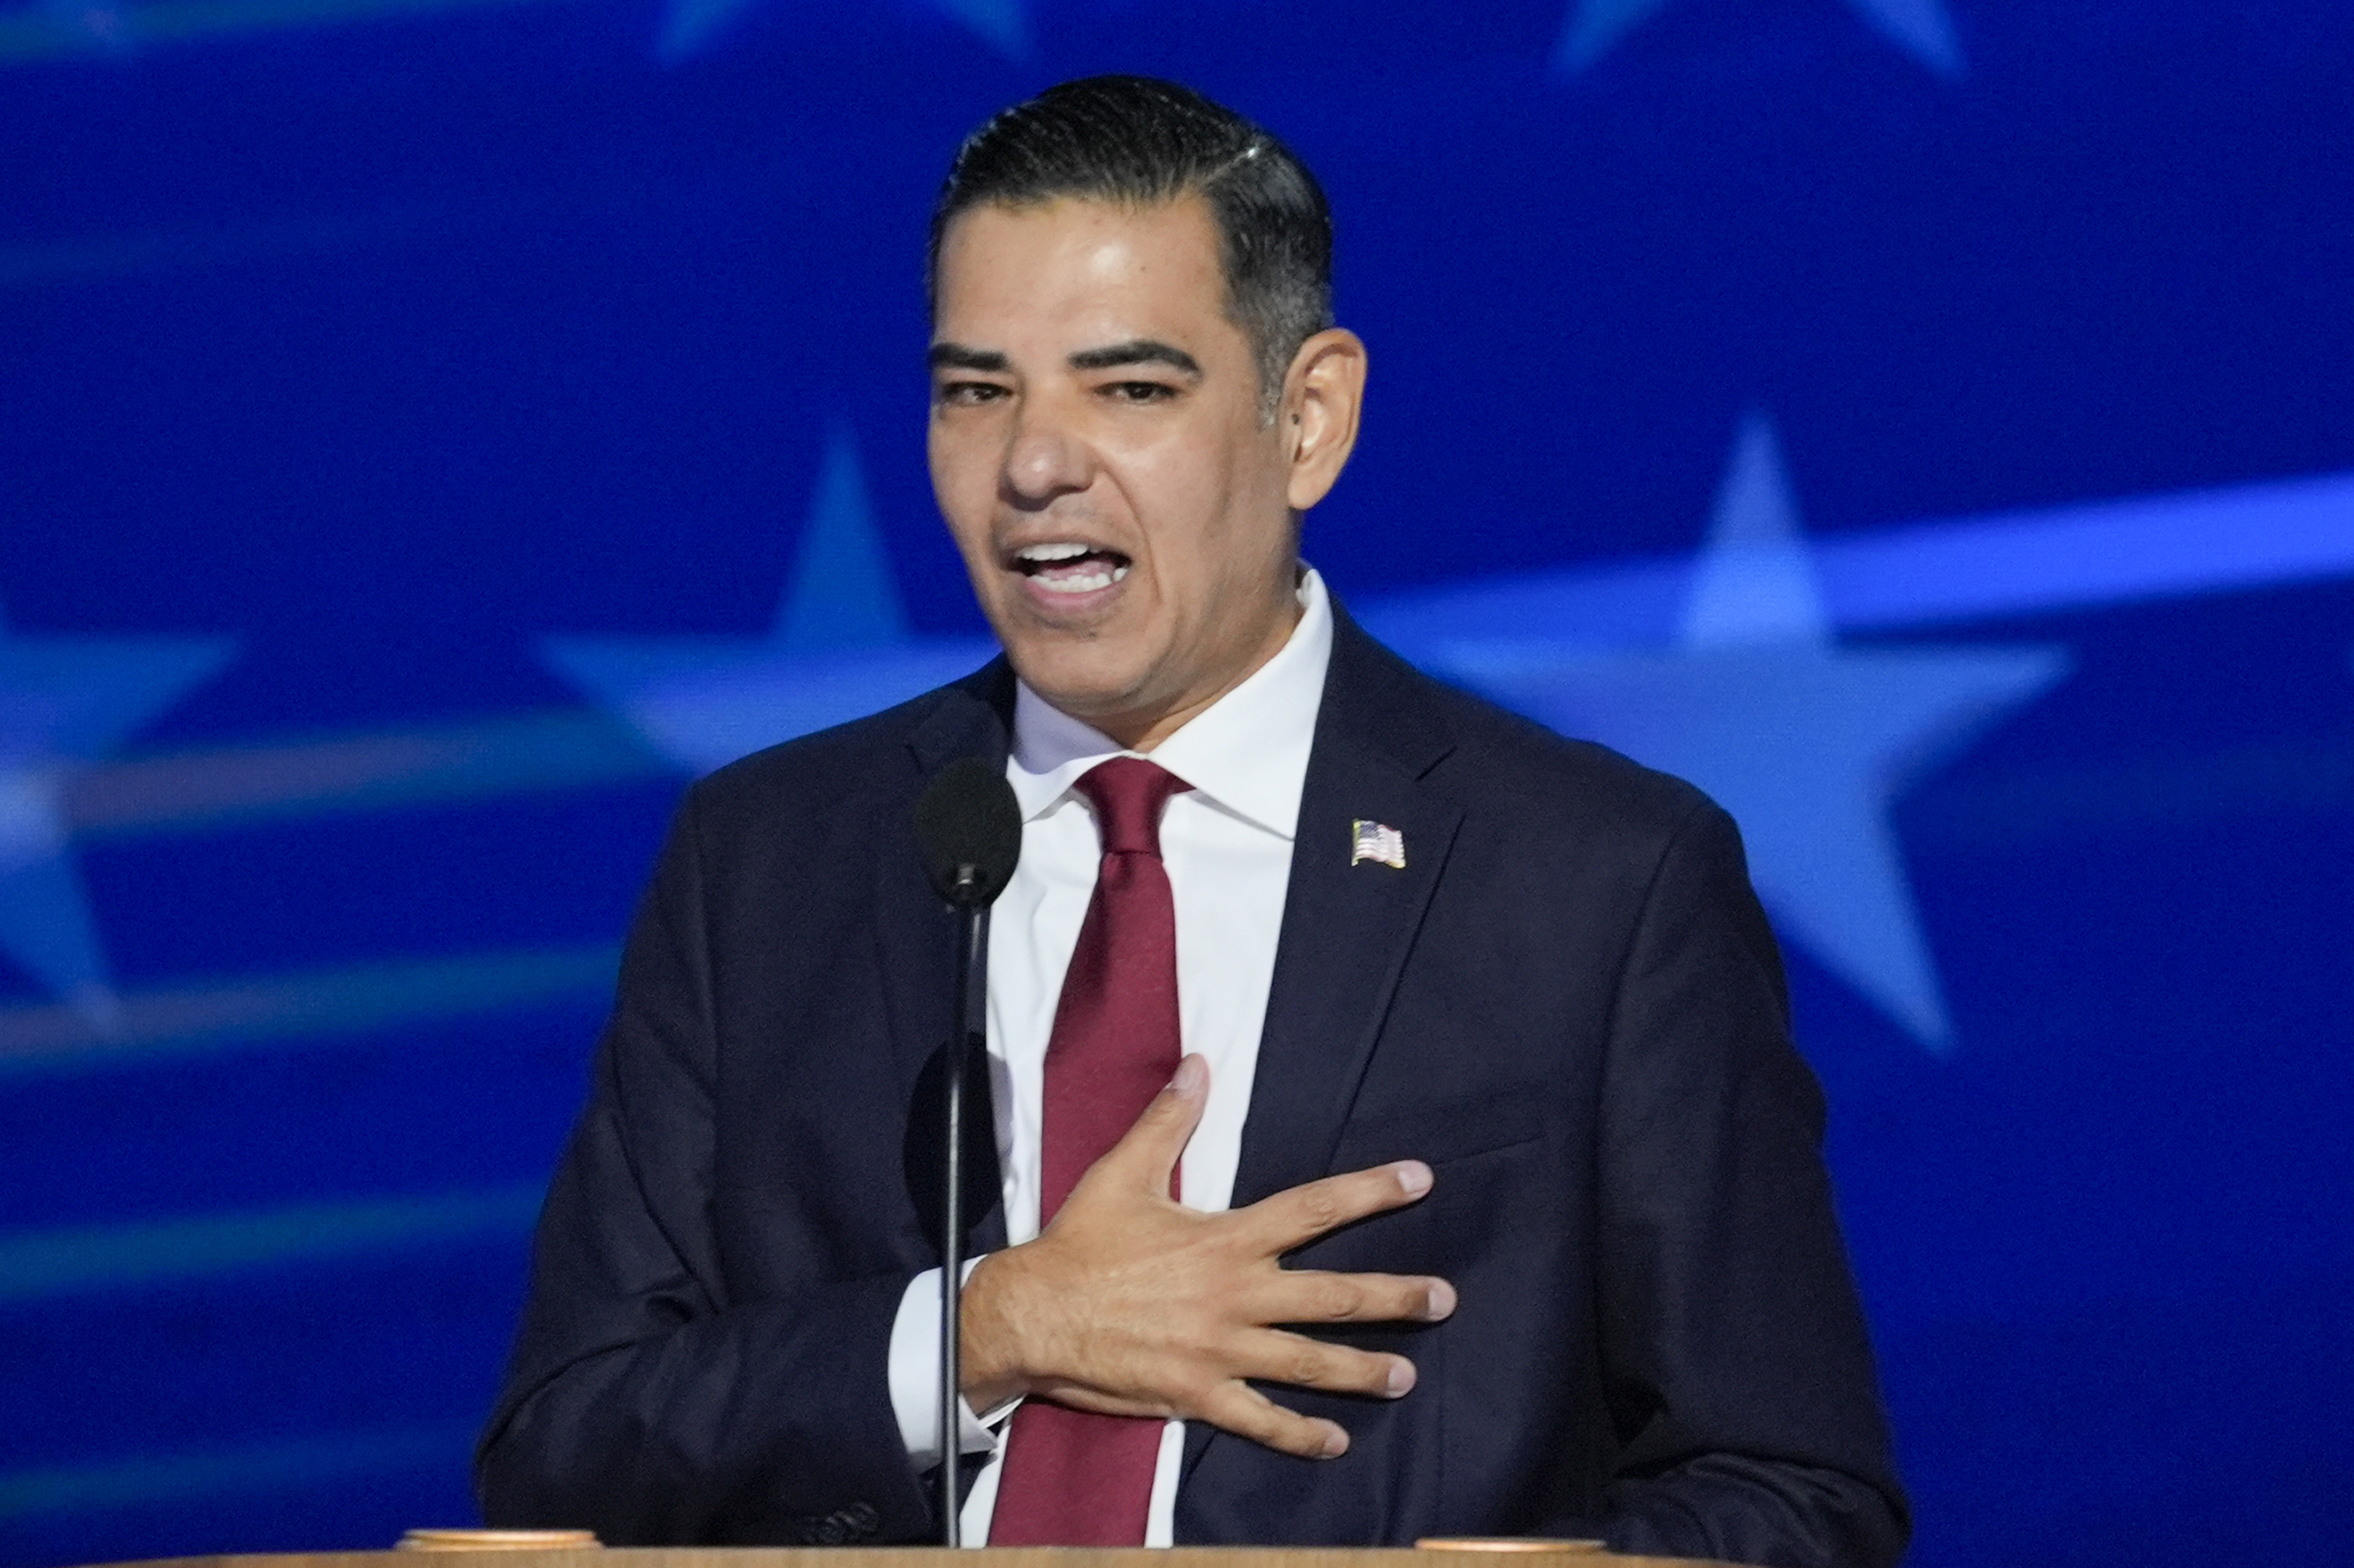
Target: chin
1078 678
1099 705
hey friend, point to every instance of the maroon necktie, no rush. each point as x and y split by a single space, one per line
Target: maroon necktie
1073 1478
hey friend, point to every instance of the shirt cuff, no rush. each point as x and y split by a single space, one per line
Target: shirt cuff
916 1378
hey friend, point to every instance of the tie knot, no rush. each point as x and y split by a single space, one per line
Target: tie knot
1128 794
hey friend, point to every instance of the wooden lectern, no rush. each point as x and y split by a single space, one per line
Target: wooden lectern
1517 1555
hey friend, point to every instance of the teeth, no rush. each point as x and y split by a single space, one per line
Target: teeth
1082 582
1063 550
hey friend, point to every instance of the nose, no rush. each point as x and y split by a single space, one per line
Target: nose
1045 459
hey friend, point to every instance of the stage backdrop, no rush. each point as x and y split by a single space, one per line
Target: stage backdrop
433 431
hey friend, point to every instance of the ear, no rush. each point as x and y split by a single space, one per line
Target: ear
1322 396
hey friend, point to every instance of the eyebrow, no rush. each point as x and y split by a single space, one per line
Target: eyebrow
1111 356
1137 351
956 356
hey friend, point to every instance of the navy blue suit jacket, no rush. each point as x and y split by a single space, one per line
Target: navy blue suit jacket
1568 1002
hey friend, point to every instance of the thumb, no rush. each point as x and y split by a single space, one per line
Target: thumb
1149 1150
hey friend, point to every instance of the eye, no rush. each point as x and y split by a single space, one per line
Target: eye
1140 391
969 394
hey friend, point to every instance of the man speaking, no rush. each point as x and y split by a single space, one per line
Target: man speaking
1398 1128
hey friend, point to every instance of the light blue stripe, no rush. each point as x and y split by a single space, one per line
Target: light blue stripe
36 33
33 31
37 1264
549 749
2103 553
354 1000
1928 574
254 1468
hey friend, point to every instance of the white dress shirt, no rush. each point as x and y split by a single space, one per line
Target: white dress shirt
1227 845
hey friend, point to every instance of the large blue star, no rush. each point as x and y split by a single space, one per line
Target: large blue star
64 703
840 649
1920 27
1807 742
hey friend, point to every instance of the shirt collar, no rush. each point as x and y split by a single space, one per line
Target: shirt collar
1247 752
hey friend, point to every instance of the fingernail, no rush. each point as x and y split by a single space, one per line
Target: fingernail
1441 1303
1401 1377
1191 1073
1415 1177
1336 1442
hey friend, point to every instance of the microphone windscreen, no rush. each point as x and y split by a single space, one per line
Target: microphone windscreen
969 829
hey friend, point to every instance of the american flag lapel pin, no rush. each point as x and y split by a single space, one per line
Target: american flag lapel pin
1378 842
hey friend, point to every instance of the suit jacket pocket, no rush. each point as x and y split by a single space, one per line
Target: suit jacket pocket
1447 1130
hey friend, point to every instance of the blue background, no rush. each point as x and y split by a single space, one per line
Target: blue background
432 429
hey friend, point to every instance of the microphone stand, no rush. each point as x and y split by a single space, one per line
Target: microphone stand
973 1001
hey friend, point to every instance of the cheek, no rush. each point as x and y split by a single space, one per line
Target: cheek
1193 522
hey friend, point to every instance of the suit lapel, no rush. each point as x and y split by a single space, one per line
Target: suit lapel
1347 927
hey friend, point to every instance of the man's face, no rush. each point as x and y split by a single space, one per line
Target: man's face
1098 453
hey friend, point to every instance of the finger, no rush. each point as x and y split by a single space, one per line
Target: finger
1274 1356
1241 1409
1315 1296
1301 1214
1149 1150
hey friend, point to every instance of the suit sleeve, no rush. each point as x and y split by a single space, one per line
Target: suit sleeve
641 1402
1737 1370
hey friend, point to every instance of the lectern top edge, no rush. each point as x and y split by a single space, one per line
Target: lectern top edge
937 1557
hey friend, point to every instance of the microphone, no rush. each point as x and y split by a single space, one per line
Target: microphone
968 828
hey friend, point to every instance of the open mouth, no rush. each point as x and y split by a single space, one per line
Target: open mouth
1070 566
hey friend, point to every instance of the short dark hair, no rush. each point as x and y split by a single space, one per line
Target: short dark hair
1140 142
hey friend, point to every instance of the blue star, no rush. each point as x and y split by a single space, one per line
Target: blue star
65 702
1922 29
1806 744
690 26
840 649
